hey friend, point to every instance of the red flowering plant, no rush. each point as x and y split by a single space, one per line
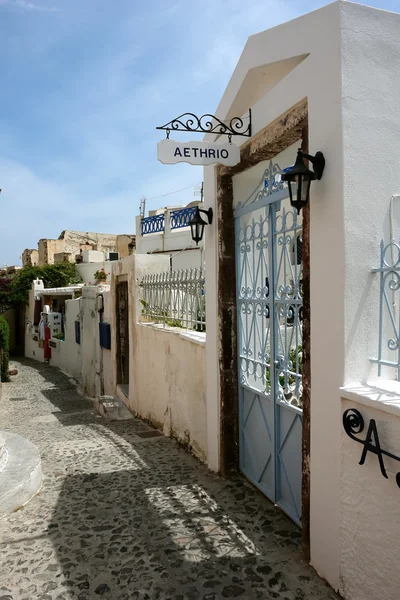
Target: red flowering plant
100 276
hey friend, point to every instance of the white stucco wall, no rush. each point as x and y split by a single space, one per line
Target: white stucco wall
107 355
168 386
166 369
32 349
369 527
67 355
97 365
344 58
87 270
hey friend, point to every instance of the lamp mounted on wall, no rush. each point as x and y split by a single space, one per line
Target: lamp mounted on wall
197 224
302 177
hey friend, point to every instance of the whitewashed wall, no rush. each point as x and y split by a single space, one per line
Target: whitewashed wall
166 368
168 387
32 349
108 374
67 354
370 527
87 270
345 59
97 365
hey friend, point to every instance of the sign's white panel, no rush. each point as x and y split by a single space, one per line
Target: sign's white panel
171 152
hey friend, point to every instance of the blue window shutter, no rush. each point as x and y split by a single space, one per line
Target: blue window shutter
105 335
77 332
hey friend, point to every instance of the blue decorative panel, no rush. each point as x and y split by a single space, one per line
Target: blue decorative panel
105 335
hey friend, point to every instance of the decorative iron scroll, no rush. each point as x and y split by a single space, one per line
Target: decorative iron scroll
208 124
270 183
353 424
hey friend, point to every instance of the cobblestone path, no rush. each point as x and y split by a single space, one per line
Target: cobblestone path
120 517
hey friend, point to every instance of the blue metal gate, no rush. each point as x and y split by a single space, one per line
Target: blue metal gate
270 307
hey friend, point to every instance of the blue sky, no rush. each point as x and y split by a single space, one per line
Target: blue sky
84 83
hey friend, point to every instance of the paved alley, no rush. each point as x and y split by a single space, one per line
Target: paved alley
121 517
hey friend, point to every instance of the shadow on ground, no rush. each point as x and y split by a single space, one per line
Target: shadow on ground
136 518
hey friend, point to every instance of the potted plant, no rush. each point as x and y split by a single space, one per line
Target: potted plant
100 276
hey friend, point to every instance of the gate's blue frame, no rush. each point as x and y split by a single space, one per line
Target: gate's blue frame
277 422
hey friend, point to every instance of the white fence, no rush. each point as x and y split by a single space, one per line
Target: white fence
175 298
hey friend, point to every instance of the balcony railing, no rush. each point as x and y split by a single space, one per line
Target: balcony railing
175 298
154 224
182 217
177 219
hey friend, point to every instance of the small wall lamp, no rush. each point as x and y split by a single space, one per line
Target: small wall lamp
197 224
302 177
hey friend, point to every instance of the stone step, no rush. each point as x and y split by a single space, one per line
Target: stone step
21 475
112 409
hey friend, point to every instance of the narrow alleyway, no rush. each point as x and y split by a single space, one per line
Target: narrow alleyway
122 517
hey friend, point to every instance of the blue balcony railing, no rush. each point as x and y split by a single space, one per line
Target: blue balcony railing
182 217
154 224
178 219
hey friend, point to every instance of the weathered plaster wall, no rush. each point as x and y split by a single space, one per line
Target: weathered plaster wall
73 241
30 258
95 361
168 378
47 249
60 257
108 375
166 370
126 245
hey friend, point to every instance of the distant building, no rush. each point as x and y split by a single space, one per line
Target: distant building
70 245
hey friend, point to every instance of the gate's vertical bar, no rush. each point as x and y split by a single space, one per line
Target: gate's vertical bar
381 289
274 324
239 340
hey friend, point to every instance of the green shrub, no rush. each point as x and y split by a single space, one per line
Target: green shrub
59 275
4 349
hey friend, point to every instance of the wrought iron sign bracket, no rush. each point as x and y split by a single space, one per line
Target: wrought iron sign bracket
353 423
209 124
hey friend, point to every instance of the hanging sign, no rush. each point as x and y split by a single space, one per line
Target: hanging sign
171 152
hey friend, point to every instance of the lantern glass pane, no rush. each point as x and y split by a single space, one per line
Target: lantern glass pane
305 190
299 186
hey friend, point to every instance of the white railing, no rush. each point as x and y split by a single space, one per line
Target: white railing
175 298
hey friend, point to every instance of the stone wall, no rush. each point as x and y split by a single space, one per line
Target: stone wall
30 258
72 242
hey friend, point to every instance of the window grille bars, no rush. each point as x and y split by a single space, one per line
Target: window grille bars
389 313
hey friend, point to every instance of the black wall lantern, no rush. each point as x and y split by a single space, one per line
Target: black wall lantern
302 177
197 224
